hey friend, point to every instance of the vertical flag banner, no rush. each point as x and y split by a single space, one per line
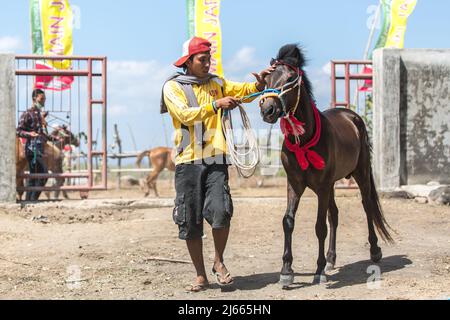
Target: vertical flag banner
51 34
204 22
386 24
400 10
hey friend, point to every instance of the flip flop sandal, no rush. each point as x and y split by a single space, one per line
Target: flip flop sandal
195 288
217 277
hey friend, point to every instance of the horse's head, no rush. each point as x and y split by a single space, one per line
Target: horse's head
65 136
74 140
284 84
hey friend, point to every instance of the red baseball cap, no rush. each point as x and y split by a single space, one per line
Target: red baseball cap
193 46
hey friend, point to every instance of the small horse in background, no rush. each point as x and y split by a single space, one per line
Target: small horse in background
160 158
320 148
63 139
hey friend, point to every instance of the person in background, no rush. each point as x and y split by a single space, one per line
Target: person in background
32 128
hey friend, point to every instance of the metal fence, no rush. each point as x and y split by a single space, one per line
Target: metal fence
81 108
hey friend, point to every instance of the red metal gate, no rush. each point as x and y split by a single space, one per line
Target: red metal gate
86 72
348 77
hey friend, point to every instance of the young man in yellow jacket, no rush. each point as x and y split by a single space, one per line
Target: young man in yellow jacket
195 100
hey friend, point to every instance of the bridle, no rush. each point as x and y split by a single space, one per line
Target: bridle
280 92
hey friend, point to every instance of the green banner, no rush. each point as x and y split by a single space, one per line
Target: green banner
386 6
190 4
36 28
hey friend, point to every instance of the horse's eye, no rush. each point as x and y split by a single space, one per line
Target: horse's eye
291 79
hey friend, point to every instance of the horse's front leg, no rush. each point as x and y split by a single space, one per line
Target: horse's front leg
321 233
287 274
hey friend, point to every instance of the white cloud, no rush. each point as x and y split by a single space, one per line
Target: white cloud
134 93
10 44
136 83
116 110
243 61
326 69
137 68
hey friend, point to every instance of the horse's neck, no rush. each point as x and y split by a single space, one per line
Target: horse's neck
305 113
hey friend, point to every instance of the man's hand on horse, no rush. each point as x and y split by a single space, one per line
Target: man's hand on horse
261 77
33 134
227 103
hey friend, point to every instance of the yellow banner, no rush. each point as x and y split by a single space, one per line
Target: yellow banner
57 25
207 26
401 10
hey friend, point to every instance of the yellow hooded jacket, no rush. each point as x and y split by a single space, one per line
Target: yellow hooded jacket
185 118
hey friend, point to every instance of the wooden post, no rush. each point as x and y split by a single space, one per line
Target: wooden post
118 143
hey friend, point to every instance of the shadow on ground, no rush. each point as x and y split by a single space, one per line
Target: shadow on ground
348 275
358 272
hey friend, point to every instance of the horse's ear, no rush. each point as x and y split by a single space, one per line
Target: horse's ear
291 54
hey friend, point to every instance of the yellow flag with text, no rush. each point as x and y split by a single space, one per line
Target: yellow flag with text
400 12
204 22
51 33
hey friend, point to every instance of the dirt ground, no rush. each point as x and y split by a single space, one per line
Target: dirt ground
55 252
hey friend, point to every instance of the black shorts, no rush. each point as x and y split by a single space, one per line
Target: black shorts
202 192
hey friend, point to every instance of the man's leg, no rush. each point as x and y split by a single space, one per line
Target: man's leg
195 248
188 216
220 242
218 212
40 168
31 182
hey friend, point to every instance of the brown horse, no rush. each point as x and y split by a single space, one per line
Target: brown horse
342 151
159 158
53 157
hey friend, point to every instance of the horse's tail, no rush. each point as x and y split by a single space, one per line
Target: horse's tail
376 211
142 156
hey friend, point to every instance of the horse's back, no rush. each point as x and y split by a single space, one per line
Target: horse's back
342 126
161 157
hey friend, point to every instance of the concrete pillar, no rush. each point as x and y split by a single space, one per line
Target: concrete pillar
386 118
411 117
7 128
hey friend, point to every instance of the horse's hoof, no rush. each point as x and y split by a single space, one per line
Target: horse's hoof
320 279
286 280
376 257
329 267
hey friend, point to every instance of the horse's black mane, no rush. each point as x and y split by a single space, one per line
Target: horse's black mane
292 54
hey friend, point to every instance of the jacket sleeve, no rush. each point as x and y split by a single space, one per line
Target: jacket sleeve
237 89
23 128
179 109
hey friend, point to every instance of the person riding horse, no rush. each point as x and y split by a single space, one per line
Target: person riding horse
32 127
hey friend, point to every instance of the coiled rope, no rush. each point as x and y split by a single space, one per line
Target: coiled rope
250 147
244 157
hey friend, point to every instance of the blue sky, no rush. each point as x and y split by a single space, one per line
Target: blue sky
142 38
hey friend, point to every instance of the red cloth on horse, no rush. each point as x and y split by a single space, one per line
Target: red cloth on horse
304 155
